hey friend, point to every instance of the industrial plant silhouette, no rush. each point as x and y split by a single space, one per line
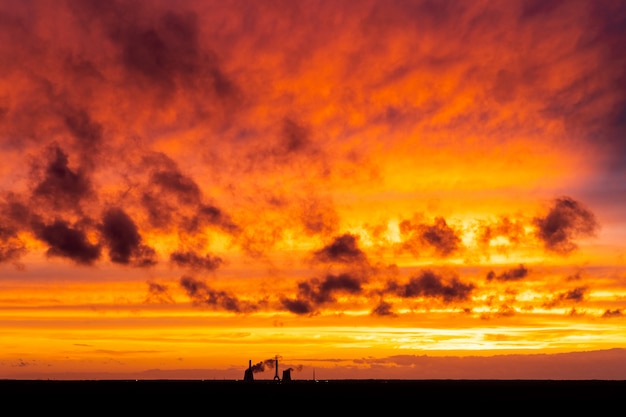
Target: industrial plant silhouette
249 373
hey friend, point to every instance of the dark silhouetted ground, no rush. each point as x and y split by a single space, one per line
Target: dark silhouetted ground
389 397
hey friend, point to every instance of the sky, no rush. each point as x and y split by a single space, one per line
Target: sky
355 189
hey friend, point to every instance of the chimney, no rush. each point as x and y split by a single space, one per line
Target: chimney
248 375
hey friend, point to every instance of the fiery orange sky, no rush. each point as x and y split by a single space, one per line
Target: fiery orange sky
368 189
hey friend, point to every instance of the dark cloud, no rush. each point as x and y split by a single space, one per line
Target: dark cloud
159 54
15 214
297 306
201 294
173 200
575 295
291 145
167 178
322 291
319 217
61 186
613 313
176 183
441 236
342 249
574 277
67 241
123 239
513 274
383 309
192 260
315 292
86 131
566 220
438 236
294 137
160 212
11 246
15 217
429 284
166 53
209 215
332 284
158 293
167 191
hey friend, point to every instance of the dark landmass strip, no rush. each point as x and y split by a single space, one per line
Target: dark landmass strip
149 392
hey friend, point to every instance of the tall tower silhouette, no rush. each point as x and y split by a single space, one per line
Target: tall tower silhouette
276 377
248 375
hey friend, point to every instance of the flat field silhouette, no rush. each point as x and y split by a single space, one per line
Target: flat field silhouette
296 397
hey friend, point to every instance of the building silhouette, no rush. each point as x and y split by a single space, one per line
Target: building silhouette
287 375
248 376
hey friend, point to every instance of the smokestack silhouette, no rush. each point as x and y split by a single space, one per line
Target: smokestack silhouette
249 375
